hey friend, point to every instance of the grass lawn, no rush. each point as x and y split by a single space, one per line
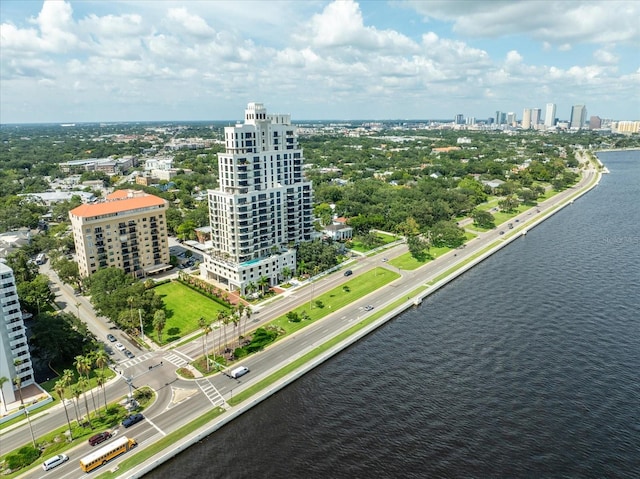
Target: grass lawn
338 298
385 238
184 307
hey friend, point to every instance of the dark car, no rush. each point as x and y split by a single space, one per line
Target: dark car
100 437
131 420
348 272
128 354
111 338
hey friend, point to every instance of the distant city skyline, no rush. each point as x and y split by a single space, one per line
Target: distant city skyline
121 61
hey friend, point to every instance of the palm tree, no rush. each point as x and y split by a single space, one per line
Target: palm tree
77 392
102 361
59 389
286 272
251 287
80 365
3 380
247 317
101 381
206 329
67 380
18 382
159 322
220 319
263 282
83 383
87 368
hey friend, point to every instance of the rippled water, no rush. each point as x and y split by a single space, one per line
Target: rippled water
527 366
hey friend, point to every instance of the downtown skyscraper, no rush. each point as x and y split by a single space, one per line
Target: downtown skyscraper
263 206
550 115
578 117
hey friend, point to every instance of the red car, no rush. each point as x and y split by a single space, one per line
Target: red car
100 437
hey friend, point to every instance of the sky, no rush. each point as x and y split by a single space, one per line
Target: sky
117 61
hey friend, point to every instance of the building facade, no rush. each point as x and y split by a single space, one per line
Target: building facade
127 231
578 117
263 206
15 359
526 118
550 115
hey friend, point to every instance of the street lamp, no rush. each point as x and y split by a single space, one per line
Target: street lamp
141 327
26 413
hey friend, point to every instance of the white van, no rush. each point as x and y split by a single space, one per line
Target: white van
54 461
239 371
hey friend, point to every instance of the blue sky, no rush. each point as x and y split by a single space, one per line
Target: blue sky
90 61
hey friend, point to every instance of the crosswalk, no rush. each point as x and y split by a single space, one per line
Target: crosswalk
133 361
177 359
211 392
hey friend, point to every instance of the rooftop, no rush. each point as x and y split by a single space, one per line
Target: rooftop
117 202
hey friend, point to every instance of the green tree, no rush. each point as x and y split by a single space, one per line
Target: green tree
446 234
3 380
418 247
60 390
101 359
159 322
483 219
509 204
82 366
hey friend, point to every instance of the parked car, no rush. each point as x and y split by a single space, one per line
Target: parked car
131 420
111 338
100 437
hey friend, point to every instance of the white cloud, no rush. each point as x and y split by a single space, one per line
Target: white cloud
552 22
189 23
192 57
341 25
606 57
56 26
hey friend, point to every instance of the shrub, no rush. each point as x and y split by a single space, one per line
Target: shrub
23 457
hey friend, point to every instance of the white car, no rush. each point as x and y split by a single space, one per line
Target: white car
54 461
120 347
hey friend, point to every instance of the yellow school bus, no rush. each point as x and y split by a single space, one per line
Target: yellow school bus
106 453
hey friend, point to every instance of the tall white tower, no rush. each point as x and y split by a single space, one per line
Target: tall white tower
263 206
15 359
526 118
550 115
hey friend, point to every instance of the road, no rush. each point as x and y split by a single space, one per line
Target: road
193 397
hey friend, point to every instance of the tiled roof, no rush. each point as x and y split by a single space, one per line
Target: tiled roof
117 205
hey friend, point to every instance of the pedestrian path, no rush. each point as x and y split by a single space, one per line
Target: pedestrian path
211 392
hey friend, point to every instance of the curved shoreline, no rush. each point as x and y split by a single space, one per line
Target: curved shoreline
463 265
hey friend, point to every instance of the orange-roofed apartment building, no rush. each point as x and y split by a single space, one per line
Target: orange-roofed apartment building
127 231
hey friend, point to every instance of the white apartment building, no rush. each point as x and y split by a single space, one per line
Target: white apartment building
15 359
128 231
263 206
